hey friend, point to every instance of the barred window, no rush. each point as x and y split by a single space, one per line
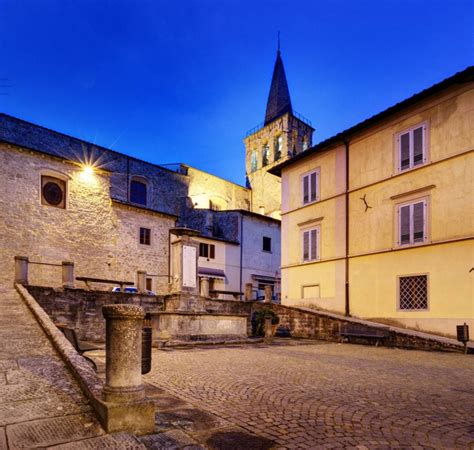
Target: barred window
413 291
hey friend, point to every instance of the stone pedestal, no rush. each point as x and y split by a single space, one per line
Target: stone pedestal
68 274
21 269
141 281
268 293
185 253
248 291
123 406
268 330
205 286
123 377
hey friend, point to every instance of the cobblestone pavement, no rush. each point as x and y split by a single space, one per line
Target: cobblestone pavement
40 403
315 395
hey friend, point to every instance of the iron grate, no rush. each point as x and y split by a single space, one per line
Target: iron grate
414 292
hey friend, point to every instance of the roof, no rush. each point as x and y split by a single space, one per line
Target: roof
245 212
464 76
279 101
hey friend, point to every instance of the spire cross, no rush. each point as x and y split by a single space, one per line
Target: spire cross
278 41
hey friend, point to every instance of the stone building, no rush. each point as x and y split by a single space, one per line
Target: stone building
377 221
282 135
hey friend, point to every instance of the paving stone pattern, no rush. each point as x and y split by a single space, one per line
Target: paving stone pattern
40 403
316 395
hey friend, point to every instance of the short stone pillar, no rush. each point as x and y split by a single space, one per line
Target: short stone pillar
68 274
205 286
21 269
123 344
268 330
268 293
141 281
248 291
123 406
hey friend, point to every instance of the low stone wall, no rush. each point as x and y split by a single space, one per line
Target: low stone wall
82 310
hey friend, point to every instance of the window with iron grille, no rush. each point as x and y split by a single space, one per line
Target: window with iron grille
413 292
145 236
412 147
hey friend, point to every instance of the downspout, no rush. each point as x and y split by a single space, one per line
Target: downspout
346 259
241 250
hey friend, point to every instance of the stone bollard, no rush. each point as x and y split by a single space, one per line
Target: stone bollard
141 281
248 291
68 274
21 269
268 330
205 286
268 294
123 406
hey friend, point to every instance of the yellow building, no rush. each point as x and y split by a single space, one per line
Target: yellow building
377 221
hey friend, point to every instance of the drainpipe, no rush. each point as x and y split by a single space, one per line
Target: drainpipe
346 259
241 251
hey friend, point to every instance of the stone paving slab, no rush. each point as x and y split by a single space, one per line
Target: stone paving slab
48 432
331 395
118 441
173 439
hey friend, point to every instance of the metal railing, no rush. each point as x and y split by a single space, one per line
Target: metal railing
262 124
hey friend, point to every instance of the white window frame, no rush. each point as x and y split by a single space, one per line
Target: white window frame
307 175
318 241
411 204
410 132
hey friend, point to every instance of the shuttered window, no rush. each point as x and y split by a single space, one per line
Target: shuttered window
412 148
412 223
310 187
311 245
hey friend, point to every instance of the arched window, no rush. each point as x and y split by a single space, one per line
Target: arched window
138 191
278 147
265 155
253 161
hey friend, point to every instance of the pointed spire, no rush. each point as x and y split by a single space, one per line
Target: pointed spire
279 101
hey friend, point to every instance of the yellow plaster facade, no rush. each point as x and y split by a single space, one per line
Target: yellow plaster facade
377 189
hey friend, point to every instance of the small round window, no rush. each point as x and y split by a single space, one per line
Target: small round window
53 192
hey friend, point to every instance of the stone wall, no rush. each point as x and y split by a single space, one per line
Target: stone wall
99 236
82 310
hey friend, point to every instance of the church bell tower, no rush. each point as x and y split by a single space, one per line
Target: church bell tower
283 134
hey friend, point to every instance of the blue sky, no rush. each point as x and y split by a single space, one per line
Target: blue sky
183 81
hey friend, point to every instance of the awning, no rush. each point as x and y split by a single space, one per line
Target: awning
211 273
265 278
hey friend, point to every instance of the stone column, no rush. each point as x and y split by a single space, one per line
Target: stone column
248 291
123 376
141 281
268 294
21 269
268 329
68 274
205 286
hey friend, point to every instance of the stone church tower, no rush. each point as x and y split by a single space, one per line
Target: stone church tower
283 134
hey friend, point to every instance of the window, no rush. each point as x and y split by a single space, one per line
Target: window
145 236
311 245
265 155
138 192
253 161
305 143
149 284
412 223
267 244
53 191
207 250
413 292
310 187
278 147
412 147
